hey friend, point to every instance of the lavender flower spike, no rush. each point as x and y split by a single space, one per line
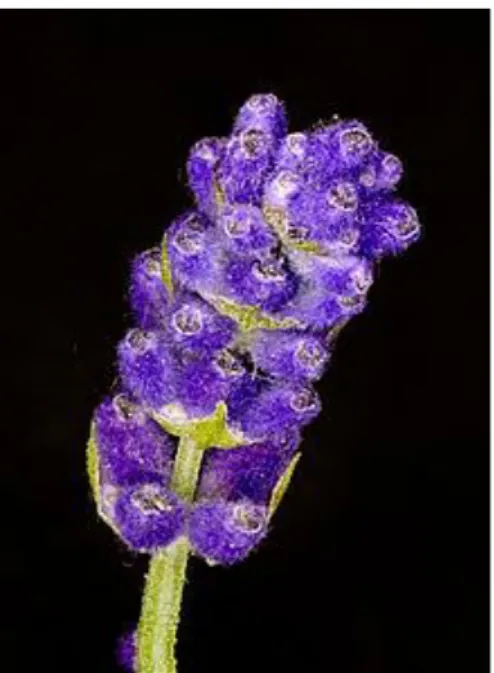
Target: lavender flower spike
235 316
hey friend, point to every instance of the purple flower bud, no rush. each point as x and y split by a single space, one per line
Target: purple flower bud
242 394
249 471
277 409
126 651
243 230
191 249
333 288
349 143
389 171
147 368
389 227
200 384
225 532
131 447
202 163
148 293
289 354
281 188
293 152
267 282
342 198
248 159
171 380
194 324
262 111
327 217
353 141
149 516
335 151
382 172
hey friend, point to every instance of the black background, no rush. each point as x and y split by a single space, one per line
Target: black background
378 561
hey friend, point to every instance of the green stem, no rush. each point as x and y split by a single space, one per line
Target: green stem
186 468
160 614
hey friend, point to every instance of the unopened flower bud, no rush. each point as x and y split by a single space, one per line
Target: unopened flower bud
389 228
249 471
191 251
289 354
248 159
147 368
131 446
267 282
279 408
195 324
148 293
226 532
148 516
262 111
202 163
126 651
244 230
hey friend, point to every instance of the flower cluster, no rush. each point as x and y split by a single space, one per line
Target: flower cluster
235 316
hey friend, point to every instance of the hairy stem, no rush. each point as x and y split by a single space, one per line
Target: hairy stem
160 614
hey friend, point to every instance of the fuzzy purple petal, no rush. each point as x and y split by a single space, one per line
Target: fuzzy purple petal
293 153
389 227
126 651
336 150
382 172
225 532
148 516
131 447
248 159
263 111
194 324
249 471
332 288
160 374
277 409
147 368
192 251
289 354
267 282
202 163
148 293
243 230
201 384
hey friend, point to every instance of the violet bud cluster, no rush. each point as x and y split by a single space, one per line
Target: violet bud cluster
238 307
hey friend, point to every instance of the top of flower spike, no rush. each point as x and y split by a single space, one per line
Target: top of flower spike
327 189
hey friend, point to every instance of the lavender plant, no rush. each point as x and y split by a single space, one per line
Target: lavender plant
236 313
